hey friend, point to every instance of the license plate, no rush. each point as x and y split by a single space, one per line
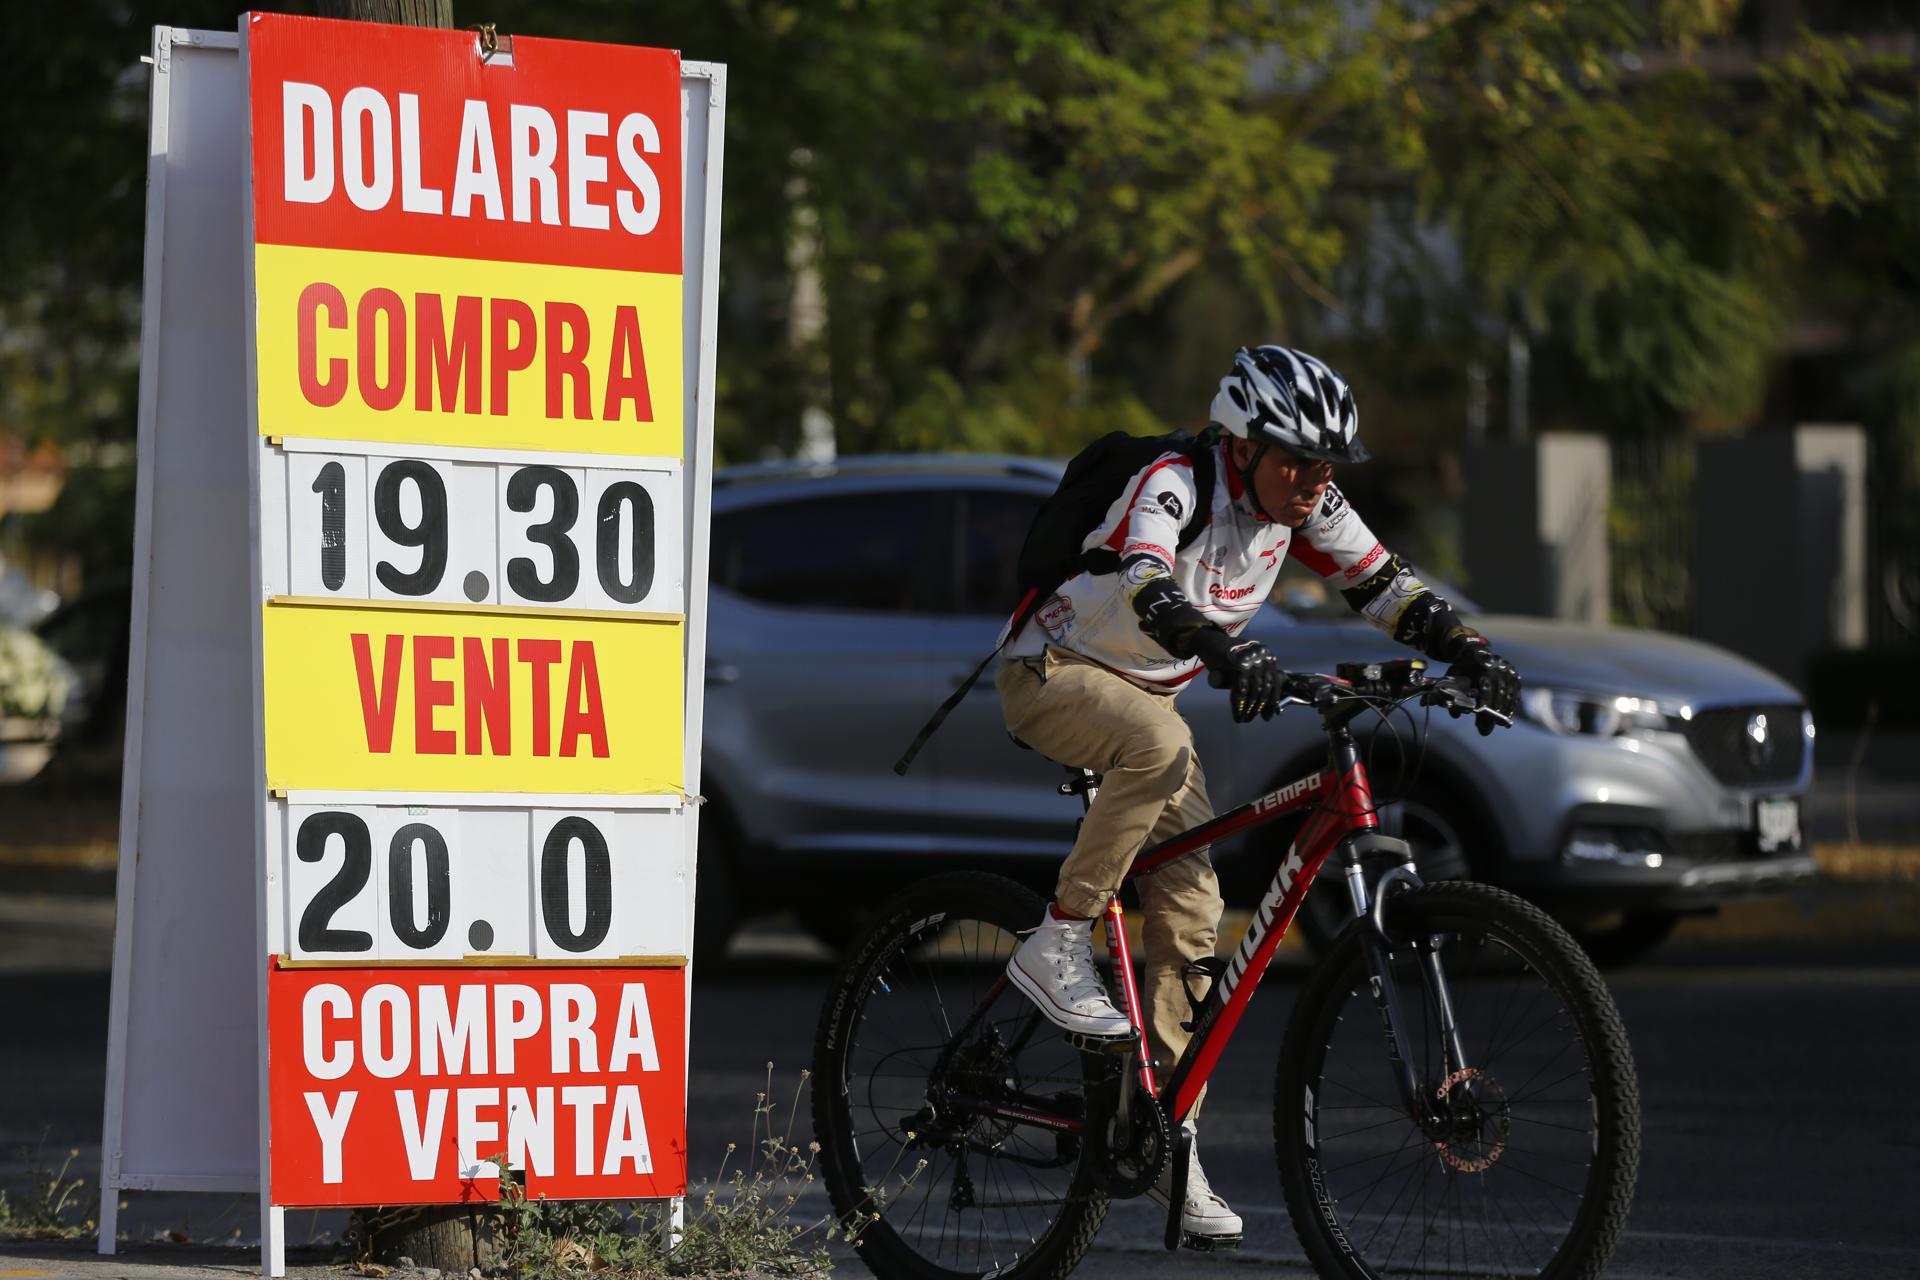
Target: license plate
1776 821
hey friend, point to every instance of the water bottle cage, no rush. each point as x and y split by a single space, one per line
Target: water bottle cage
1209 967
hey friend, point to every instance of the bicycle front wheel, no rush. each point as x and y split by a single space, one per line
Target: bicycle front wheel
1519 1161
949 1112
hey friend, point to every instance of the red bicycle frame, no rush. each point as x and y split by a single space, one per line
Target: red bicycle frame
1342 812
1344 807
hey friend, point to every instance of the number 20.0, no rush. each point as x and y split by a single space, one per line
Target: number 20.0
316 931
430 532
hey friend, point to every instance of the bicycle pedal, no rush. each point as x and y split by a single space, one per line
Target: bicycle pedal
1209 1244
1102 1044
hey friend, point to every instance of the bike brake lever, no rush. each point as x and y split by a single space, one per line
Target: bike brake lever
1458 703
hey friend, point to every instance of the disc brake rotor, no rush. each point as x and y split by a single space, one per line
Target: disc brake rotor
1475 1123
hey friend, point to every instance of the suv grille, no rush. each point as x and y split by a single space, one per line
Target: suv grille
1725 739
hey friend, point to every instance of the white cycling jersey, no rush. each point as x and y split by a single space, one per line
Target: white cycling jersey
1226 572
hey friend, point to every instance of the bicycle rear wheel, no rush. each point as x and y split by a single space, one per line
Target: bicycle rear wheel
1525 1163
923 1055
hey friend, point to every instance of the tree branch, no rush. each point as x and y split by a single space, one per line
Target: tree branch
1089 335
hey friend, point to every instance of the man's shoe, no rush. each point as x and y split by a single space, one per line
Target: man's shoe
1205 1220
1054 968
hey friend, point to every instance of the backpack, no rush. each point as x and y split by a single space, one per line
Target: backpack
1054 549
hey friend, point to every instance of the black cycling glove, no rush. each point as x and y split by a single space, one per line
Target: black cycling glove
1244 666
1495 683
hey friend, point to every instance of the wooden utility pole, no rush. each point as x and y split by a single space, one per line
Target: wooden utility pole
449 1238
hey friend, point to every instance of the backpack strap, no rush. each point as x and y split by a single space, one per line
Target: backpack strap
1203 477
1199 452
1029 605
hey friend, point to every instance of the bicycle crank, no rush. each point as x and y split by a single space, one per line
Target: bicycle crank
1136 1147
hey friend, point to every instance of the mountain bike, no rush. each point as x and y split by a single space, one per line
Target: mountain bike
1455 1093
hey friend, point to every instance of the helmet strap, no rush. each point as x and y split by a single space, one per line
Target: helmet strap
1246 479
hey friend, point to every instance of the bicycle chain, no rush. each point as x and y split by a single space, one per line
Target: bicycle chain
1102 1194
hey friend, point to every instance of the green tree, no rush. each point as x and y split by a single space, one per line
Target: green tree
1033 221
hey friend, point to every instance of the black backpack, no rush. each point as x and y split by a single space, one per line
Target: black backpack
1052 551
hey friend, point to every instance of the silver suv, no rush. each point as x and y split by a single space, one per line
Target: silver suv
1650 776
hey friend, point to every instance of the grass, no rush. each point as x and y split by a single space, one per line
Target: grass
743 1223
747 1221
51 1208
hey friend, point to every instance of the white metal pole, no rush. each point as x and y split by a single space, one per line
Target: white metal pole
674 1230
273 1240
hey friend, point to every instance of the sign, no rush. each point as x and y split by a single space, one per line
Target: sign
418 883
525 532
467 357
414 1086
424 700
454 250
425 447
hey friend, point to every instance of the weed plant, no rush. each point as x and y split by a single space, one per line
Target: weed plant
52 1207
747 1221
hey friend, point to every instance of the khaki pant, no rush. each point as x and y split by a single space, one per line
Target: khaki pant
1079 713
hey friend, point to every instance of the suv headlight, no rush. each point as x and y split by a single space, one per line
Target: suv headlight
1566 711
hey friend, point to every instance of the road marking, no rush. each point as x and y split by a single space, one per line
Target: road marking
1774 1242
1698 1237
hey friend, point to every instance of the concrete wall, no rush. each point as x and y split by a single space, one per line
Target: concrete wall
1534 529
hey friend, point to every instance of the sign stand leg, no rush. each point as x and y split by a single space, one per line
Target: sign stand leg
675 1228
273 1240
109 1219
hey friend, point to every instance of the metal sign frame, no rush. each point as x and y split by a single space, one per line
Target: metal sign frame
180 1023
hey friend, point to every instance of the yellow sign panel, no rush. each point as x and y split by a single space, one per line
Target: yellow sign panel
410 349
384 700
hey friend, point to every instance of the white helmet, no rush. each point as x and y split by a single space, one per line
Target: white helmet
1276 395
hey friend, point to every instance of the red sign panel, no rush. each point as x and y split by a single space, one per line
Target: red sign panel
407 140
413 1086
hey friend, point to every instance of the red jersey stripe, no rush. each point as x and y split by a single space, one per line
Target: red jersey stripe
1312 557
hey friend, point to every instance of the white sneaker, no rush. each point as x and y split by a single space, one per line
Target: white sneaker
1204 1215
1054 968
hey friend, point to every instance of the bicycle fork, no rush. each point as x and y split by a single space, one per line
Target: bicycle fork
1385 988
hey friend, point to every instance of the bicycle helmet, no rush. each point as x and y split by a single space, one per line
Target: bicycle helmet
1279 396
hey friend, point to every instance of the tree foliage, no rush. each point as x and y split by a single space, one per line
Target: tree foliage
1032 221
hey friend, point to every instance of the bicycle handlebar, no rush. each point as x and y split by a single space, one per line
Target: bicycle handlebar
1370 683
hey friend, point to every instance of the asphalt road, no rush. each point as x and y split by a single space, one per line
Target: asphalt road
1782 1134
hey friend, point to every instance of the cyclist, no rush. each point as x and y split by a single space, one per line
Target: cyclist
1092 685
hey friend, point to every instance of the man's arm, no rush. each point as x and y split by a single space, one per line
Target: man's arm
1336 543
1148 531
1412 612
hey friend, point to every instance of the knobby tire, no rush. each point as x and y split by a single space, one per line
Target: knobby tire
930 958
1558 1120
